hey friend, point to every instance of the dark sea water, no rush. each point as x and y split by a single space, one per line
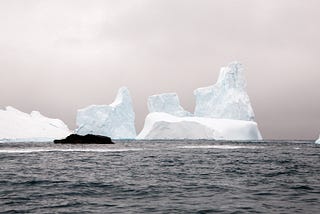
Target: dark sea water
160 177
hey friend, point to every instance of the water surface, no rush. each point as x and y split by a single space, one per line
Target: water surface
160 177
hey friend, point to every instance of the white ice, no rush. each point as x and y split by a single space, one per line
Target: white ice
227 99
115 120
318 141
167 103
223 111
166 126
17 126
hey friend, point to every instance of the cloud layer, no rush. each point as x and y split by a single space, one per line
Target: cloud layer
58 56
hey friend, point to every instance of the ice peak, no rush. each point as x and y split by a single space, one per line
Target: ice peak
115 120
36 114
232 76
12 109
123 96
227 99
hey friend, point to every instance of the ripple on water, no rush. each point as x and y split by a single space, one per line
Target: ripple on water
160 177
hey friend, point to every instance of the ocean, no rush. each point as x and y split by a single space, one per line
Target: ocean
161 177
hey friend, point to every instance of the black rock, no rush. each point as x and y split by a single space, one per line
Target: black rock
86 139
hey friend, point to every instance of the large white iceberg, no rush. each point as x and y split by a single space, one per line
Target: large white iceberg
115 120
226 99
17 126
223 112
168 103
166 126
318 141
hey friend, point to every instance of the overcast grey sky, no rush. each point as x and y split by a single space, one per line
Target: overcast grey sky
61 55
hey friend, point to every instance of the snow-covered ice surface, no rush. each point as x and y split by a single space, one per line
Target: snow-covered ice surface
318 141
115 120
227 99
17 126
166 126
167 103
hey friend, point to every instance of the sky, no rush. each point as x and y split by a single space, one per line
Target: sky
58 56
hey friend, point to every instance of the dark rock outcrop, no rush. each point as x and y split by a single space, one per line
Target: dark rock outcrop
86 139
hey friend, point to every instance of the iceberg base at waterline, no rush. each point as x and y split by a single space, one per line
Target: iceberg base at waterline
165 126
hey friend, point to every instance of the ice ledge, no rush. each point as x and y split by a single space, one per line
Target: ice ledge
166 126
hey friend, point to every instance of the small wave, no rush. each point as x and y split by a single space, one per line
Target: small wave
302 187
67 150
218 147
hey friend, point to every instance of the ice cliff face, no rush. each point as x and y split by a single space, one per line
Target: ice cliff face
115 120
167 103
227 99
19 126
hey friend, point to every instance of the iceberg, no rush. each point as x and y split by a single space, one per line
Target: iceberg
227 99
318 141
223 112
17 126
165 126
168 103
115 120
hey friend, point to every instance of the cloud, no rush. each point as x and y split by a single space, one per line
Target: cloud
57 56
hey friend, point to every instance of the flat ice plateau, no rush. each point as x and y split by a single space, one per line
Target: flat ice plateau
17 126
166 126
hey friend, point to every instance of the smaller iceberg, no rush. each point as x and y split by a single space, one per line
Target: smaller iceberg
115 120
167 103
17 126
318 141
